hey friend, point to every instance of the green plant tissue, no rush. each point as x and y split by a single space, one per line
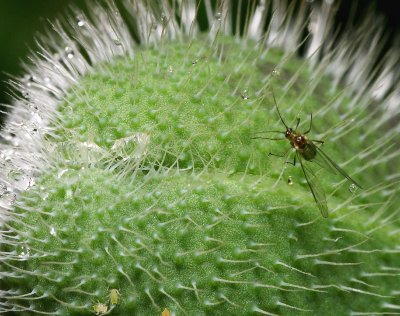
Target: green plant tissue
135 176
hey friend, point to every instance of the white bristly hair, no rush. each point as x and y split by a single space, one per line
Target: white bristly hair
77 43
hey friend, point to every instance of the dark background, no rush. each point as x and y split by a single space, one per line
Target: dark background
22 20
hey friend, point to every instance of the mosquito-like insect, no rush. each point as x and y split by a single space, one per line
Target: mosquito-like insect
307 150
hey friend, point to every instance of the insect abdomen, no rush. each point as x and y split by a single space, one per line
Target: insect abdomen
309 152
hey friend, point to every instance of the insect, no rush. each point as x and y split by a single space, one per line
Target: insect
114 296
100 308
165 312
306 151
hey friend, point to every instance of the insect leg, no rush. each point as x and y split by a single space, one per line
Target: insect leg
318 141
276 155
294 161
280 156
309 129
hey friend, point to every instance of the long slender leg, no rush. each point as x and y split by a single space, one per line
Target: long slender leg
283 169
309 129
277 155
285 156
318 141
294 161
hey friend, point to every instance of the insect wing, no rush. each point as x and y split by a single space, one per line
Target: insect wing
316 189
324 161
320 159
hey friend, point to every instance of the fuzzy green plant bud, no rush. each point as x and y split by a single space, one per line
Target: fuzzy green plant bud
137 177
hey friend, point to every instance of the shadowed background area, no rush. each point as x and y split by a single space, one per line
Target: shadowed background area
21 21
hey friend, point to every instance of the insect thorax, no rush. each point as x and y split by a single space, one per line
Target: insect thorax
298 141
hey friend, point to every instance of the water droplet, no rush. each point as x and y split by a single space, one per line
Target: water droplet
132 147
53 231
164 19
352 188
29 80
45 195
33 107
24 252
276 73
69 52
218 16
26 95
117 42
245 95
57 57
3 189
15 174
80 21
7 155
31 182
91 151
13 198
290 180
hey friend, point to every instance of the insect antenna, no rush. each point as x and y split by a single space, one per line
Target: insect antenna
263 132
257 137
279 113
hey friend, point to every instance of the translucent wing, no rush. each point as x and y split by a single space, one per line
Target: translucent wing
325 162
316 189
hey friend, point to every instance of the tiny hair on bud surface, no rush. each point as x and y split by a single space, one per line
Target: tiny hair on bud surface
141 176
